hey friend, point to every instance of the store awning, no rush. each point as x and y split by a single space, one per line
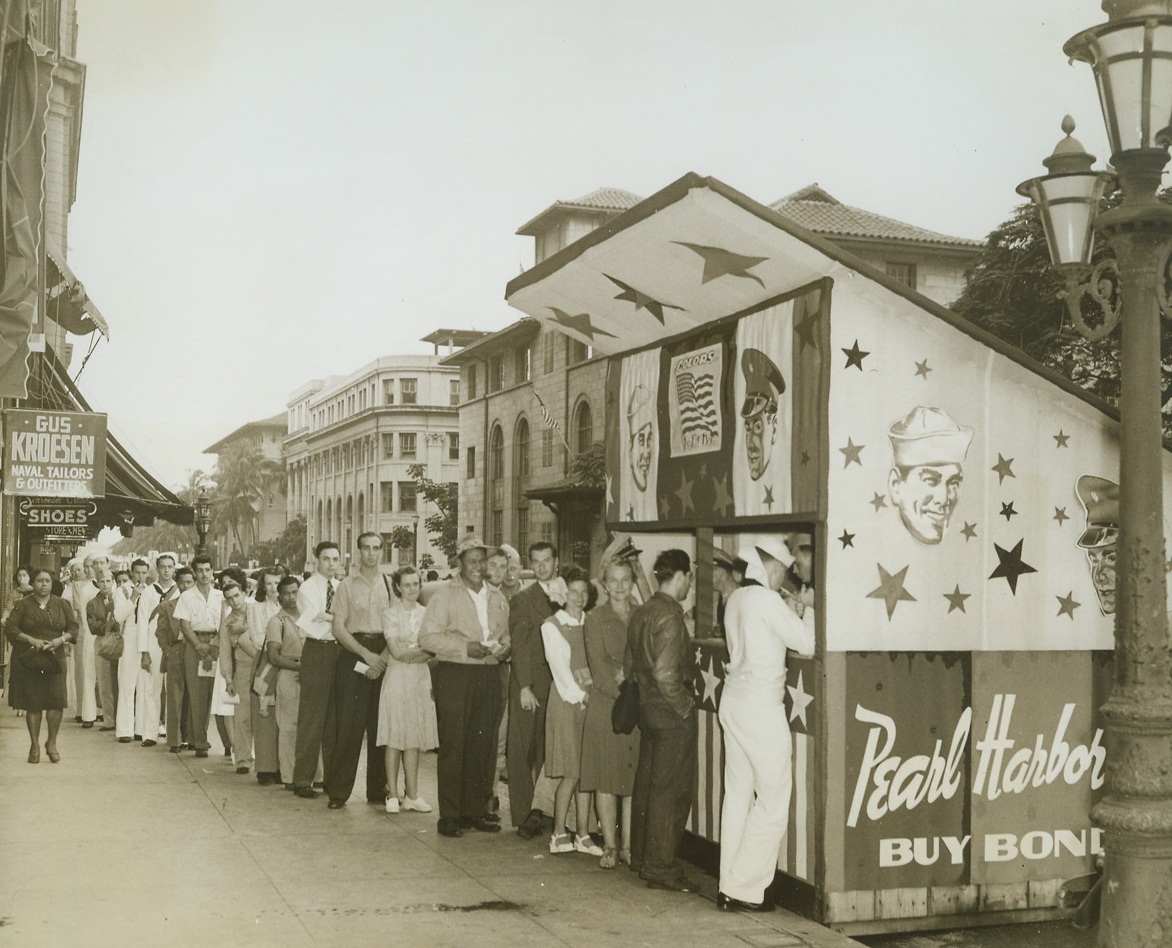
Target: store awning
695 252
134 497
66 299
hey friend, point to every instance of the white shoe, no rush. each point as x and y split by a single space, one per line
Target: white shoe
418 804
162 731
392 804
584 844
561 843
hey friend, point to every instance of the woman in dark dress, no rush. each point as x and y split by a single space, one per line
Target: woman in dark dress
39 627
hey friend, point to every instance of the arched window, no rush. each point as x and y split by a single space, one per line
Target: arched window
329 524
361 512
496 454
583 428
521 449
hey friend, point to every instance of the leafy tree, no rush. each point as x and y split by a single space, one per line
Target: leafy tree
444 525
288 547
1013 291
243 476
588 469
402 538
163 535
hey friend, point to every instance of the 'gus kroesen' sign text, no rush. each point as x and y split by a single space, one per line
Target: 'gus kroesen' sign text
54 454
888 781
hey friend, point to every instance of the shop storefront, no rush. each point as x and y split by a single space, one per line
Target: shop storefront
962 504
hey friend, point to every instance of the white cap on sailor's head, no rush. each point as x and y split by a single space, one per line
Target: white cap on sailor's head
928 436
640 406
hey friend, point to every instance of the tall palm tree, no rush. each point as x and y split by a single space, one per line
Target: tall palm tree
243 476
164 536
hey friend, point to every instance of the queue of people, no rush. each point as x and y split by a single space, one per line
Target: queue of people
301 674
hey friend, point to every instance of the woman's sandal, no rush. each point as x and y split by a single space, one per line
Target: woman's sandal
610 858
54 757
625 857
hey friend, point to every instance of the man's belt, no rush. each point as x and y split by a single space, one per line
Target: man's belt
196 632
369 635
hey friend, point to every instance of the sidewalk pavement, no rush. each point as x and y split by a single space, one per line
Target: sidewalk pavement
121 844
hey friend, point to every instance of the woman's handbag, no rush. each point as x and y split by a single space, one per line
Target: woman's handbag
110 646
624 714
41 661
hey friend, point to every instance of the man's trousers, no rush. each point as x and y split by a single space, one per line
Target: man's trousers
199 692
662 794
467 706
178 709
242 713
356 700
128 667
316 713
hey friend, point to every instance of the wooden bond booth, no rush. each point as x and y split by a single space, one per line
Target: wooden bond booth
962 503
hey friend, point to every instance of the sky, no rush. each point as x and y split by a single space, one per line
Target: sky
273 191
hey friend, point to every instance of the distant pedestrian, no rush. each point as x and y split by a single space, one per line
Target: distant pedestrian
174 648
265 735
466 626
407 722
78 592
129 666
283 643
659 657
198 612
39 627
237 651
149 650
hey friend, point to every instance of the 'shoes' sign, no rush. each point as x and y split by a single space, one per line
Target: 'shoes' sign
54 454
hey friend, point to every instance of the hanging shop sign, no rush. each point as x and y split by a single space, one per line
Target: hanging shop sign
60 519
54 453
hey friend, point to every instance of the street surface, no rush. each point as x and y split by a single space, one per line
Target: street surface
121 844
1028 935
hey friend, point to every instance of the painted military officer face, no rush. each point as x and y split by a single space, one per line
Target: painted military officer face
760 434
1101 560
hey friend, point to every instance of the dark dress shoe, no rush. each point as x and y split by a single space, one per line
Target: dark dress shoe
483 825
138 737
671 885
264 780
77 719
531 825
319 785
149 743
726 903
104 728
306 793
176 749
122 740
241 770
201 753
337 804
87 724
449 828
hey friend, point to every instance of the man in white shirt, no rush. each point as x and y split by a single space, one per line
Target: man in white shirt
316 724
150 679
78 592
198 612
130 664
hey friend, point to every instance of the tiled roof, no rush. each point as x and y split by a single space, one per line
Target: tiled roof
607 199
816 210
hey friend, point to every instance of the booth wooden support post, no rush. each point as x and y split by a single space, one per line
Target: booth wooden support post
1136 814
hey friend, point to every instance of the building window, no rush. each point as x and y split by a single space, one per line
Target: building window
388 446
454 394
496 455
522 365
584 428
904 273
387 493
388 391
388 550
408 389
523 527
521 450
496 374
471 461
406 444
498 528
547 353
576 352
472 380
406 496
546 532
453 445
546 448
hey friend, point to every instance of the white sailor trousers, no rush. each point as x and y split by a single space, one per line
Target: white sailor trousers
758 782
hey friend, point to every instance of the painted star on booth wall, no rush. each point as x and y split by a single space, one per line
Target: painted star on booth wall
847 539
855 356
1061 515
641 300
851 452
1011 566
768 501
922 370
664 507
805 459
723 497
1061 438
878 501
630 511
580 323
968 531
805 330
719 262
1003 467
956 599
801 700
609 491
1067 605
1008 512
684 493
711 683
891 589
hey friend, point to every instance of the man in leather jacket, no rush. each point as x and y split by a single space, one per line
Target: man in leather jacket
660 657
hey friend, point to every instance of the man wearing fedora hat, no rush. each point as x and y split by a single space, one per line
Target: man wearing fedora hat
1100 499
928 450
466 627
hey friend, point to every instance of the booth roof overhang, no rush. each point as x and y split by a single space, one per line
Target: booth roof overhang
693 253
133 495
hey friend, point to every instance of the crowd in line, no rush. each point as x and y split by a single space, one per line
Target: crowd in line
508 681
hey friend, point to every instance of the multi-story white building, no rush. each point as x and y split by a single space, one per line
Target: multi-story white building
352 440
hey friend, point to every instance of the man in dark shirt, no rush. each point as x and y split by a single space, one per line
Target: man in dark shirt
659 656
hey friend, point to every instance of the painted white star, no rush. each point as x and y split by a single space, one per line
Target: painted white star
711 680
1112 886
800 699
699 657
609 491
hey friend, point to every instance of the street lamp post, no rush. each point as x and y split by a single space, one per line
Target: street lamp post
203 518
1131 56
415 541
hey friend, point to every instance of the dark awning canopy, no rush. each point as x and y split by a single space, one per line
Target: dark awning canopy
134 497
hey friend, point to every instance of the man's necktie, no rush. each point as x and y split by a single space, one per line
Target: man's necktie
329 595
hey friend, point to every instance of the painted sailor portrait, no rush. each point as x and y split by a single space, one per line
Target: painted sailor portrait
928 450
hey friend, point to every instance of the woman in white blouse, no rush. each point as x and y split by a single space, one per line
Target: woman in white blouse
565 649
406 722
